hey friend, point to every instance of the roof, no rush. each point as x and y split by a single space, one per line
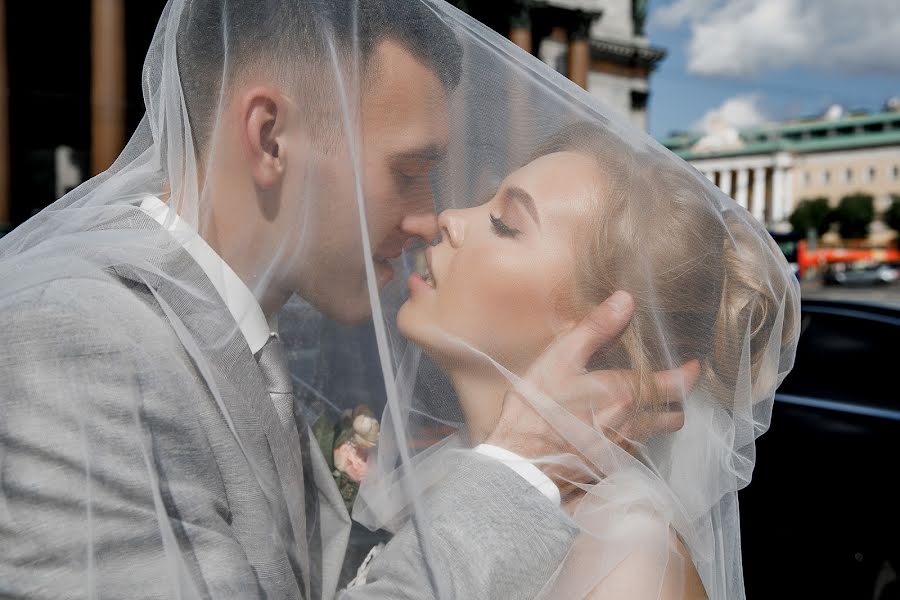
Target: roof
861 131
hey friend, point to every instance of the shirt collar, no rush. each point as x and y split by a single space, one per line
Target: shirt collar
238 298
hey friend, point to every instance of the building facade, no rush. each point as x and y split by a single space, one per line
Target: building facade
70 79
770 169
621 58
599 44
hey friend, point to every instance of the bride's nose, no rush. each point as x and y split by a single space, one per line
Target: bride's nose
453 227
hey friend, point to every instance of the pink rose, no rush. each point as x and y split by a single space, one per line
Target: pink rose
350 460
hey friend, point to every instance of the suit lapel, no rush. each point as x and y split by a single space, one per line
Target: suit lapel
223 358
333 522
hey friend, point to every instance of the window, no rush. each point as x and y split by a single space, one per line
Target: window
844 358
871 174
807 178
826 176
848 175
895 172
639 100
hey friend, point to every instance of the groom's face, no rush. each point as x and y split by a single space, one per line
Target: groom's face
402 136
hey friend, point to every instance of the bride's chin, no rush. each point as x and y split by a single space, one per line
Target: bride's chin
422 330
409 322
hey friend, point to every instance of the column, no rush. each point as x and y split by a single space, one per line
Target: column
520 25
743 182
107 82
580 51
5 215
725 182
777 195
759 194
788 192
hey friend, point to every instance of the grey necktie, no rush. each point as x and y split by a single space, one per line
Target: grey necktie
273 364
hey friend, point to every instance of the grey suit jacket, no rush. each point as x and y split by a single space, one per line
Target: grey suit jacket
133 465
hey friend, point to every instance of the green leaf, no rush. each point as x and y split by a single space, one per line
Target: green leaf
323 430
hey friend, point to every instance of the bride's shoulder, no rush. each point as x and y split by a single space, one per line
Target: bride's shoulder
657 562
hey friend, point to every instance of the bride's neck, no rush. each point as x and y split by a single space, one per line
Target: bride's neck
480 393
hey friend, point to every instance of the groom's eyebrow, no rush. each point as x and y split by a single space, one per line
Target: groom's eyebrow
431 153
525 199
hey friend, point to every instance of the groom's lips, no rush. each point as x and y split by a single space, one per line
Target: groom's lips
384 271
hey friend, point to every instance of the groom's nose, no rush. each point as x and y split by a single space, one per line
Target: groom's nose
423 225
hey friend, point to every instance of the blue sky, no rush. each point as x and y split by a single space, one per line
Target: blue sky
753 61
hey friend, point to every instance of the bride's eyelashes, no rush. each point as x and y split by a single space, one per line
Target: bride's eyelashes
502 229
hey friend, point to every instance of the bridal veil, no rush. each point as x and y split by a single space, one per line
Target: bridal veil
469 108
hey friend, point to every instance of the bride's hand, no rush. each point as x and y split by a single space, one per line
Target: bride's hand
558 389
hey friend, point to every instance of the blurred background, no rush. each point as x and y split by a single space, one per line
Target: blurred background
792 107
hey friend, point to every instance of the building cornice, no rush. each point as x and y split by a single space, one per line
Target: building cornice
624 52
809 146
814 136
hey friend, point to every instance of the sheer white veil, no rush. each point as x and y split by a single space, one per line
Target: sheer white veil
469 109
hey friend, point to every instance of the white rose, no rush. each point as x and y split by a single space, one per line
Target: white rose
365 431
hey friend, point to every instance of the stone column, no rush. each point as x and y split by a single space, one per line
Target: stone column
758 207
725 182
580 51
520 25
107 82
788 192
5 213
777 195
743 182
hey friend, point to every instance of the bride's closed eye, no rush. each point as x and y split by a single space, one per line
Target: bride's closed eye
502 229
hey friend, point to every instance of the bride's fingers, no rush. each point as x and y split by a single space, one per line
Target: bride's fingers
600 327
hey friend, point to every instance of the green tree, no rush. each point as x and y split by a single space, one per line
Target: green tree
812 213
854 214
892 216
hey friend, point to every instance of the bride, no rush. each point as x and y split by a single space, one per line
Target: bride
586 217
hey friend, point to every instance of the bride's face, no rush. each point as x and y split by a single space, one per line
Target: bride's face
502 277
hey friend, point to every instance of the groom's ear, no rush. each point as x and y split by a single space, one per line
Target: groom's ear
263 121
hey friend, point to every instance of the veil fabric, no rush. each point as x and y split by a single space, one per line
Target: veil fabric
390 111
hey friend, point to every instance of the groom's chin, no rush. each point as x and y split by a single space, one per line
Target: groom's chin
354 313
346 309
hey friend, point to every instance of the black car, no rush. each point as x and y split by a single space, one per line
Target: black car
860 274
821 517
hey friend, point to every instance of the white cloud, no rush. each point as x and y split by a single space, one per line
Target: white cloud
738 112
679 11
744 37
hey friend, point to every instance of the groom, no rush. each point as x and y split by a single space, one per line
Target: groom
255 144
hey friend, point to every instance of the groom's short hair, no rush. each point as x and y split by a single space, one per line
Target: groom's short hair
293 38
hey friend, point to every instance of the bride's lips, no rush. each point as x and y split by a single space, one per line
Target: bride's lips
417 284
422 281
432 280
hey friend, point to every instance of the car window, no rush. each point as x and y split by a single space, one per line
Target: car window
846 358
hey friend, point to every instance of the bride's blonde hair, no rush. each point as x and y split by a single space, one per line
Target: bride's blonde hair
708 282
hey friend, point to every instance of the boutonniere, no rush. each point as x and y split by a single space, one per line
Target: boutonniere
346 446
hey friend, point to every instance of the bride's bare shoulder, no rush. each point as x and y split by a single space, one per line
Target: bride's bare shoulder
637 576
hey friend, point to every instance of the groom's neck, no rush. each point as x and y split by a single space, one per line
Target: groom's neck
230 227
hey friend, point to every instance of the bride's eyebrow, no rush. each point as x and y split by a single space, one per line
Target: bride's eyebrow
525 200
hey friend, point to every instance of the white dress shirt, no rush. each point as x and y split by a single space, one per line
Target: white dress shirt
238 298
247 313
